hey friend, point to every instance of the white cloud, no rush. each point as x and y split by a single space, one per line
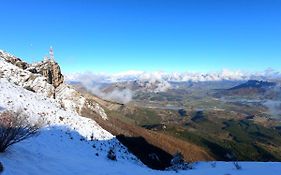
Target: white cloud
159 81
158 76
121 96
92 82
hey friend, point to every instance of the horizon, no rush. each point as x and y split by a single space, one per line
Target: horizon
150 36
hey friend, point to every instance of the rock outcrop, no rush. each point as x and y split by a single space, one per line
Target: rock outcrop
32 82
50 70
45 77
13 60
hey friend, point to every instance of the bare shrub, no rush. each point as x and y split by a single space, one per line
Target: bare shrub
236 165
111 154
14 127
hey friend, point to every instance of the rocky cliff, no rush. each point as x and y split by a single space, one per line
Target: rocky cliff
48 68
45 77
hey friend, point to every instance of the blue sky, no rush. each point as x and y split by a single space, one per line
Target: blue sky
149 35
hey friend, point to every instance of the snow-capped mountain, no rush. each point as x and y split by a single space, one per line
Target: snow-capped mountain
69 143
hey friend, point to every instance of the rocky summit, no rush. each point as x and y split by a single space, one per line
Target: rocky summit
48 68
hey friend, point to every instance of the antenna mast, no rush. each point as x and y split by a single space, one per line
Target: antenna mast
51 52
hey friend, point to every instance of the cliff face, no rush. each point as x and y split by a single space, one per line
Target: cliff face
50 70
54 75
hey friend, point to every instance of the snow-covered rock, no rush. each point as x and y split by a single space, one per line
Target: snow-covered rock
49 69
74 101
26 79
33 79
13 59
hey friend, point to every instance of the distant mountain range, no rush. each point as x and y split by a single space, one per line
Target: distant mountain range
161 81
255 84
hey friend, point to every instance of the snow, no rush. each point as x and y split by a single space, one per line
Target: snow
38 106
73 101
66 137
6 54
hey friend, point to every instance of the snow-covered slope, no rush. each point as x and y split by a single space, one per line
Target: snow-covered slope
66 137
72 100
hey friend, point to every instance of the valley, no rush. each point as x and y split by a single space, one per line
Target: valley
213 116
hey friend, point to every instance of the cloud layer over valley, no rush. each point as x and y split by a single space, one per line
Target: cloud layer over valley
157 81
